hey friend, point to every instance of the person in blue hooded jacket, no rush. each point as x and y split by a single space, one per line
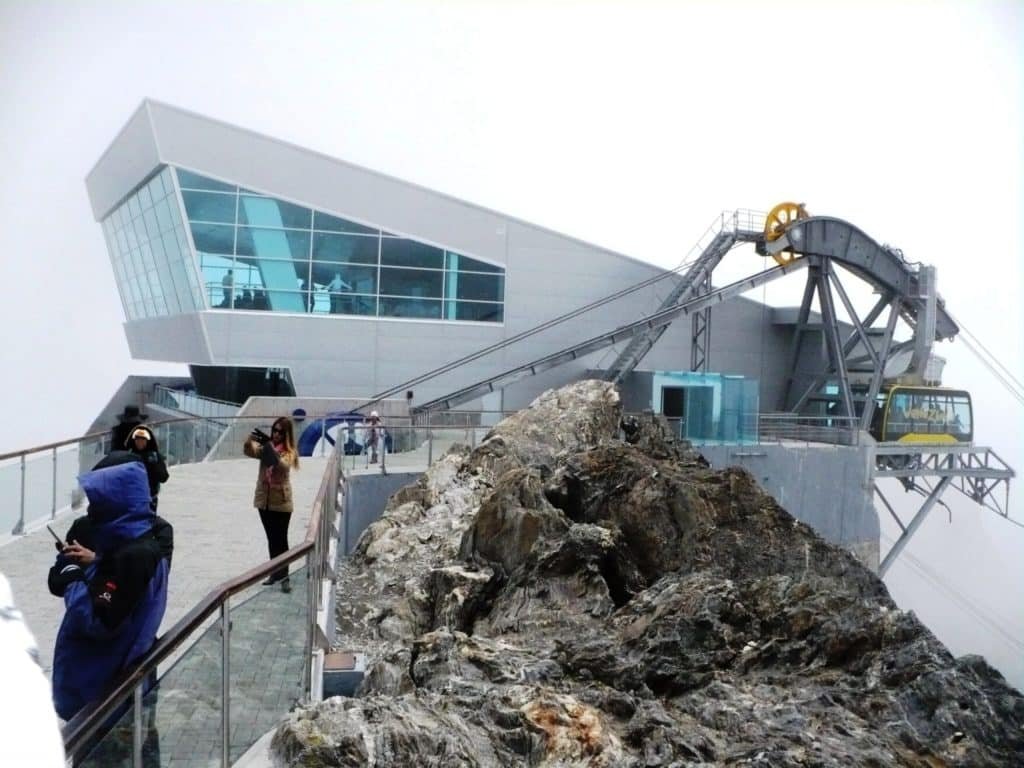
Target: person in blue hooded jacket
113 575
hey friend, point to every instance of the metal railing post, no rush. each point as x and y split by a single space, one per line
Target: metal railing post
137 725
323 434
53 487
430 444
307 666
225 684
20 527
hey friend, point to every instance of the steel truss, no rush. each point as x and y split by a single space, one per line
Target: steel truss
978 473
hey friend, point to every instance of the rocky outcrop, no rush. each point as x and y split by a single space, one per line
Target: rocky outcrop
563 597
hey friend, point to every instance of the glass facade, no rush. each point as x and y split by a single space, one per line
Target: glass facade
708 408
259 253
150 252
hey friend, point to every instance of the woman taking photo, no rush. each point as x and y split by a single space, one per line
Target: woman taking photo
273 498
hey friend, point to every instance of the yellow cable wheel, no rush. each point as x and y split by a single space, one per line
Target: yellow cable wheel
779 219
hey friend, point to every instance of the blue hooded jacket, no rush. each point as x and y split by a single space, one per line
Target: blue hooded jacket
111 617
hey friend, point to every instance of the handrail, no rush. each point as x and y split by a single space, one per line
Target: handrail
193 393
89 719
106 432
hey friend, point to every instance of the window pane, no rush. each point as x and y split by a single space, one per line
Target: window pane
345 278
152 228
466 264
267 212
474 286
344 249
409 253
189 180
156 188
163 215
159 252
209 206
273 243
411 282
165 176
466 310
417 308
214 238
145 198
328 223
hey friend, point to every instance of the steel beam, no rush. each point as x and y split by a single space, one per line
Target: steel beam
909 531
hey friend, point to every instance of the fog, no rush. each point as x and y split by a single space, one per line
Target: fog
626 124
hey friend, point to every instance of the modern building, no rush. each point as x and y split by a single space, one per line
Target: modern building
272 269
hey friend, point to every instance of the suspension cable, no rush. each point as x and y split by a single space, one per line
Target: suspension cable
967 604
990 361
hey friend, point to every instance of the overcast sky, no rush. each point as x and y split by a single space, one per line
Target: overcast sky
627 124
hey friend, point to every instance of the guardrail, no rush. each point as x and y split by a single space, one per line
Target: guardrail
81 732
190 402
789 427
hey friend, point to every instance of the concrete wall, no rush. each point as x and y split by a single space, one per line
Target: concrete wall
828 487
365 499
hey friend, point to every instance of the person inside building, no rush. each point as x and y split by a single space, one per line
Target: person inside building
142 443
334 288
273 497
112 573
126 423
227 286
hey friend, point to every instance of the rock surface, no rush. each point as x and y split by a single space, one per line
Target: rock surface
562 597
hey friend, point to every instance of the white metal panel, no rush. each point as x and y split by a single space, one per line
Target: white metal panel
131 157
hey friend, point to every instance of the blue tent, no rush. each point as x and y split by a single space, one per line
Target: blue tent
350 425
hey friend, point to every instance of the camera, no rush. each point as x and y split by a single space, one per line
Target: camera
260 436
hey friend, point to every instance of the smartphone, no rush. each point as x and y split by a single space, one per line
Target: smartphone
58 538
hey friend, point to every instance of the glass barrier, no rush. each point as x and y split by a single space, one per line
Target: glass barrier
182 714
191 403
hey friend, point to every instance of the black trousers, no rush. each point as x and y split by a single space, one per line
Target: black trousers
275 525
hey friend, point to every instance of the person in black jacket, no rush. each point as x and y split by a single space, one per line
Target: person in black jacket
126 422
142 443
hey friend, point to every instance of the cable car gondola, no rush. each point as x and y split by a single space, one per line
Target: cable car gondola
923 415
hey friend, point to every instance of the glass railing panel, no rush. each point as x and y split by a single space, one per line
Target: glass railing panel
10 487
268 656
67 476
182 713
38 486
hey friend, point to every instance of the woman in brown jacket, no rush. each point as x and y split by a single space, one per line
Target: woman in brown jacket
273 498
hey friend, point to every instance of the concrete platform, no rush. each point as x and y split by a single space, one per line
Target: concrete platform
217 535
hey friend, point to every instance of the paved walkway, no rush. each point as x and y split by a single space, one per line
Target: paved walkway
217 536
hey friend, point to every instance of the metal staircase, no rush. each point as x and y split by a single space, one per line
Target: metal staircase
691 282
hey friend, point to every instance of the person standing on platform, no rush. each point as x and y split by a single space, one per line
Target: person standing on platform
113 575
142 443
374 435
273 497
127 422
